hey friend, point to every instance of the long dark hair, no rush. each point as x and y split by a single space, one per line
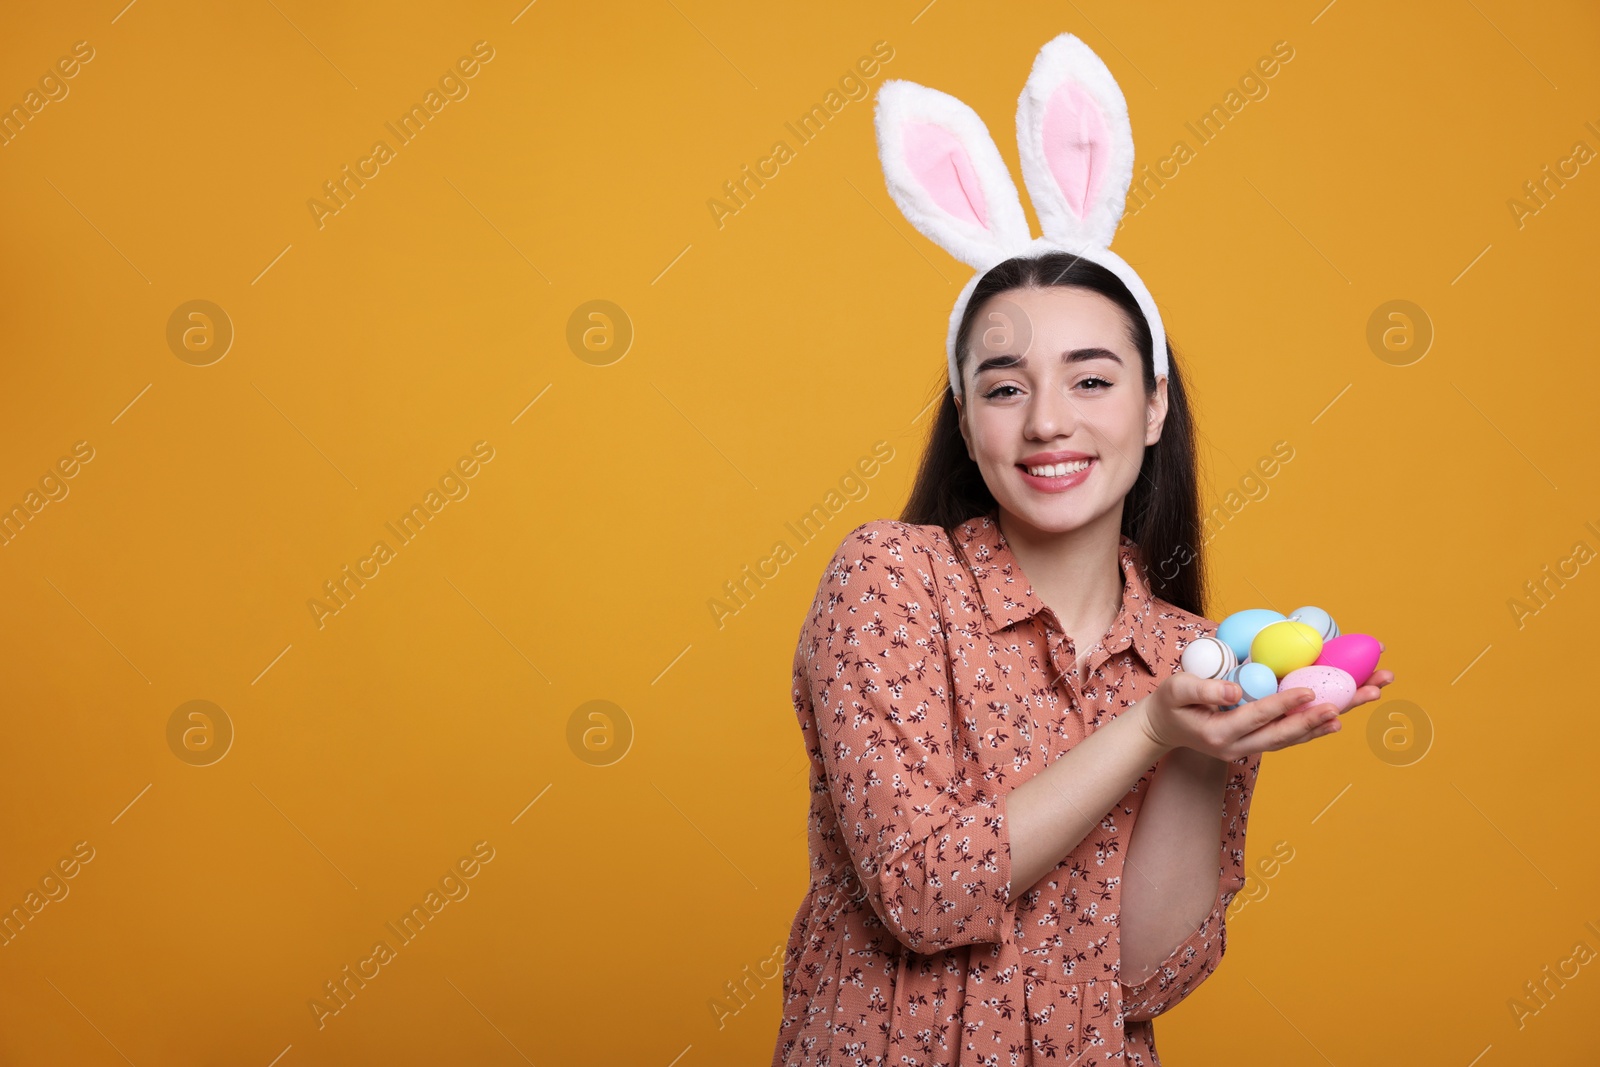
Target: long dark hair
1161 513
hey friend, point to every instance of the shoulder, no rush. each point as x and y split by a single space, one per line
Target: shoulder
890 549
881 560
883 576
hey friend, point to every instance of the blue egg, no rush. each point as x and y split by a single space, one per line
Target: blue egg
1257 680
1318 620
1240 628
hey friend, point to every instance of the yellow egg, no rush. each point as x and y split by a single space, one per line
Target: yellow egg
1286 646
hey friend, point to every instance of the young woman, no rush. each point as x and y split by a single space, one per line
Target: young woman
1025 828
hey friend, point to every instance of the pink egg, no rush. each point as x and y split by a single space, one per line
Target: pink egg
1355 654
1330 684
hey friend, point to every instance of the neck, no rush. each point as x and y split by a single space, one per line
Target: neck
1077 573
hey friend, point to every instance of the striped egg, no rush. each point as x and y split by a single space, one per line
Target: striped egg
1318 620
1206 657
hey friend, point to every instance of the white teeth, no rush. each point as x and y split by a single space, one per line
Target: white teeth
1056 470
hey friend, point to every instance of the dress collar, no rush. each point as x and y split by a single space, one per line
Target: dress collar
1007 597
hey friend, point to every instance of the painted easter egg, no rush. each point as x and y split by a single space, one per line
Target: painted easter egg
1206 657
1286 646
1355 654
1240 628
1318 620
1330 684
1257 680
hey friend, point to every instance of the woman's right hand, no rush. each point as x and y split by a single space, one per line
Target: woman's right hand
1184 712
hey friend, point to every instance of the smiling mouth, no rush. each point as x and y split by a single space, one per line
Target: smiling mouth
1057 470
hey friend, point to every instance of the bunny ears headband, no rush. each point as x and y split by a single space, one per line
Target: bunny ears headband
1076 144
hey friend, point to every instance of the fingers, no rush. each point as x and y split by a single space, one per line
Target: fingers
1325 722
1271 722
1192 689
1294 716
1276 705
1304 723
1373 689
1319 721
1365 695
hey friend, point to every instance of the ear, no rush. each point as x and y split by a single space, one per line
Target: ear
946 175
1156 412
1076 144
961 424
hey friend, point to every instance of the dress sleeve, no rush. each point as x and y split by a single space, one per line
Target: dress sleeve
1199 954
872 653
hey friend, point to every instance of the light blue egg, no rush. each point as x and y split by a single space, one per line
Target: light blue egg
1318 620
1257 680
1240 628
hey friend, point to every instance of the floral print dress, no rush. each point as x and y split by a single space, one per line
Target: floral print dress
930 680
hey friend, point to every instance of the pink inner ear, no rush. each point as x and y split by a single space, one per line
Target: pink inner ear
1077 145
938 160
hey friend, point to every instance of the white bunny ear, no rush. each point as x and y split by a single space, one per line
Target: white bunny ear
1076 144
946 175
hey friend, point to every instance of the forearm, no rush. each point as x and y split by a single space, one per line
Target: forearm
1171 873
1050 814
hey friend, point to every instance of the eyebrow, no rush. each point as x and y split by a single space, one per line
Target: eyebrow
1076 355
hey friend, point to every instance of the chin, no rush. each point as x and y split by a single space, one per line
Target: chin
1048 517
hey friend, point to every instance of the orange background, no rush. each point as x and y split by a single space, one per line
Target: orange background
1440 847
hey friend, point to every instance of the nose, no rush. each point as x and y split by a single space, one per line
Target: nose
1051 414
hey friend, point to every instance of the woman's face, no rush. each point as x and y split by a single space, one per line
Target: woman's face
1055 413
